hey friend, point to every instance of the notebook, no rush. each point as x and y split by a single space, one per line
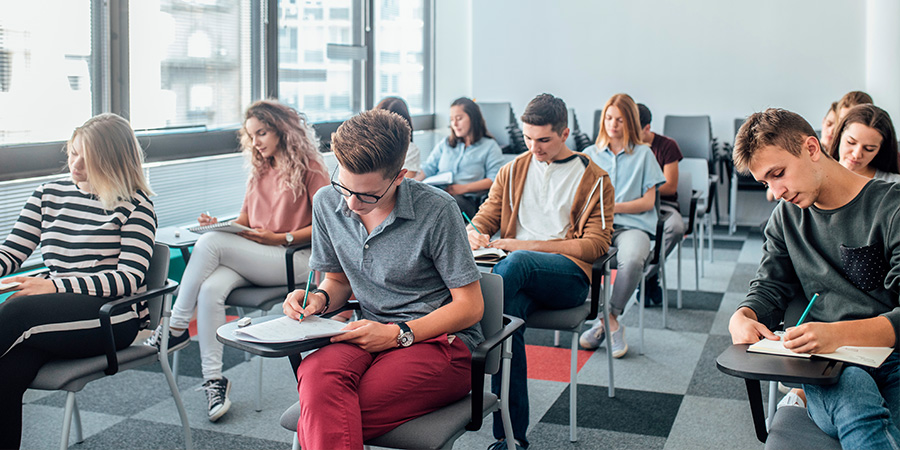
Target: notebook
285 329
488 255
231 227
8 286
864 356
441 179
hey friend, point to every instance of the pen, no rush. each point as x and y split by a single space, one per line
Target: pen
306 292
470 222
814 297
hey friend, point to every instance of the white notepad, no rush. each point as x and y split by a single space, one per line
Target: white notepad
231 227
7 286
864 356
488 254
441 179
285 329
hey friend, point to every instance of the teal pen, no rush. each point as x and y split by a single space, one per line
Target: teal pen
306 292
814 297
470 222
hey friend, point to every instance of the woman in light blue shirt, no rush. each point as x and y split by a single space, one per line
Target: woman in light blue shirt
470 154
635 176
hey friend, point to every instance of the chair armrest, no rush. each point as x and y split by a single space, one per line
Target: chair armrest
597 272
289 264
115 306
695 199
479 359
660 233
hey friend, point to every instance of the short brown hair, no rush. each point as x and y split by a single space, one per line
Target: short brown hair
373 141
852 99
546 109
772 127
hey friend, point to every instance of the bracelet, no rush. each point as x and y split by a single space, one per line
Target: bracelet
327 299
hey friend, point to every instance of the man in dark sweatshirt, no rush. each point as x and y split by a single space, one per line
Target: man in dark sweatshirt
836 234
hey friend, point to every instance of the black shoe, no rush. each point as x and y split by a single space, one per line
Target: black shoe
500 444
217 395
654 295
175 342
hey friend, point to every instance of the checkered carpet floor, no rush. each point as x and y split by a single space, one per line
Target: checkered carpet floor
670 397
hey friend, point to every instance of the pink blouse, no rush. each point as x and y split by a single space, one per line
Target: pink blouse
271 206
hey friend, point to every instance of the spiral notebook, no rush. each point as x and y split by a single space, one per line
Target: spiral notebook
230 227
865 356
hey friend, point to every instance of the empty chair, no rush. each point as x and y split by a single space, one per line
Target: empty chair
703 186
739 182
693 134
497 116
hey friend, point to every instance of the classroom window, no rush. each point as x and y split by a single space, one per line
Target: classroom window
34 59
189 63
400 63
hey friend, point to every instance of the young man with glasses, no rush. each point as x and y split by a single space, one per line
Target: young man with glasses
398 246
554 210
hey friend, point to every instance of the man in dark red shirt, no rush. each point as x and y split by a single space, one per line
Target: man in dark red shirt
667 155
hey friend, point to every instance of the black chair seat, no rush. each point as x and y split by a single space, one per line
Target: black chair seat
73 374
792 429
564 319
431 431
257 297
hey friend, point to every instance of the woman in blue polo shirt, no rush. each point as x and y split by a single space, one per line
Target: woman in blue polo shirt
635 176
470 153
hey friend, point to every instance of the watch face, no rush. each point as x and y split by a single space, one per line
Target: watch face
405 339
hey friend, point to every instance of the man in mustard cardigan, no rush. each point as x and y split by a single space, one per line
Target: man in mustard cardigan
554 210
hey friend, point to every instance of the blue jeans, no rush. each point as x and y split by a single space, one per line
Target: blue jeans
863 409
531 281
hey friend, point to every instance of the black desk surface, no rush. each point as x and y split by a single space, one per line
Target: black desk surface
738 362
225 335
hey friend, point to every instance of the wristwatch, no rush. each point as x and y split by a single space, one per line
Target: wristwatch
289 238
405 338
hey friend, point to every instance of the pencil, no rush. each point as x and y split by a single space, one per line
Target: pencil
306 292
470 222
814 297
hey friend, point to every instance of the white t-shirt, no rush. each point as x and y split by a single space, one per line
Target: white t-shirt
412 162
547 198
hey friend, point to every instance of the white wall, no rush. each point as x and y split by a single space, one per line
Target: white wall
453 50
722 58
882 51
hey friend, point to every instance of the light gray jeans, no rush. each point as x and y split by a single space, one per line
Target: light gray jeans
220 263
674 227
634 249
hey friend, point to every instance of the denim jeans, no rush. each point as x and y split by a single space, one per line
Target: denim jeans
863 409
531 281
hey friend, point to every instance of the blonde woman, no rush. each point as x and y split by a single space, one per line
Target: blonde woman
635 176
286 171
96 231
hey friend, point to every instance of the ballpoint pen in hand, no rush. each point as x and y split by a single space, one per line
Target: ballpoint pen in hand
306 292
814 297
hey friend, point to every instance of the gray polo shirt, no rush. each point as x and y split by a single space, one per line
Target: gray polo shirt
407 266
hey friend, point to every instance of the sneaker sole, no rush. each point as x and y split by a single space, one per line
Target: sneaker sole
620 353
226 405
181 345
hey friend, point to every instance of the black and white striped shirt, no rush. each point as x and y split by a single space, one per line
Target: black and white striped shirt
88 250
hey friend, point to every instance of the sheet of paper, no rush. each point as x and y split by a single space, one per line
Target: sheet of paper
285 329
441 179
864 356
489 252
8 286
230 226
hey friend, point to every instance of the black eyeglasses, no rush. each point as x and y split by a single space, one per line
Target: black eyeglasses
365 198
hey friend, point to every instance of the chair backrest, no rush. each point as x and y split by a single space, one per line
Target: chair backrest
570 141
693 134
738 122
492 320
497 115
699 173
598 114
157 274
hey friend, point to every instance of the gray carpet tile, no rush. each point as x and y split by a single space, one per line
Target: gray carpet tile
708 381
740 278
141 434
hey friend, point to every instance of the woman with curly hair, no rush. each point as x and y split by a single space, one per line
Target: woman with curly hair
286 171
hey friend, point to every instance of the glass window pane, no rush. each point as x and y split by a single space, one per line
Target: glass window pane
309 80
189 62
45 79
400 52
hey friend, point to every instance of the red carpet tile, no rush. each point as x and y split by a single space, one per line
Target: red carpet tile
192 328
552 363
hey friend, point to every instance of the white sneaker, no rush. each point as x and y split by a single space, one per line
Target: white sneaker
217 395
619 346
593 337
791 399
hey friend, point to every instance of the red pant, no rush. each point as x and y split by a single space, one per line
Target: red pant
348 395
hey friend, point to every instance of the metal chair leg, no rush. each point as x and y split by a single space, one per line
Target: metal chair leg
641 312
556 338
573 390
505 358
679 271
173 386
76 417
67 420
609 357
773 403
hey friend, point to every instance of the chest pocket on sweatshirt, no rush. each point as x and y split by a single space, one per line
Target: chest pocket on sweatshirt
865 266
